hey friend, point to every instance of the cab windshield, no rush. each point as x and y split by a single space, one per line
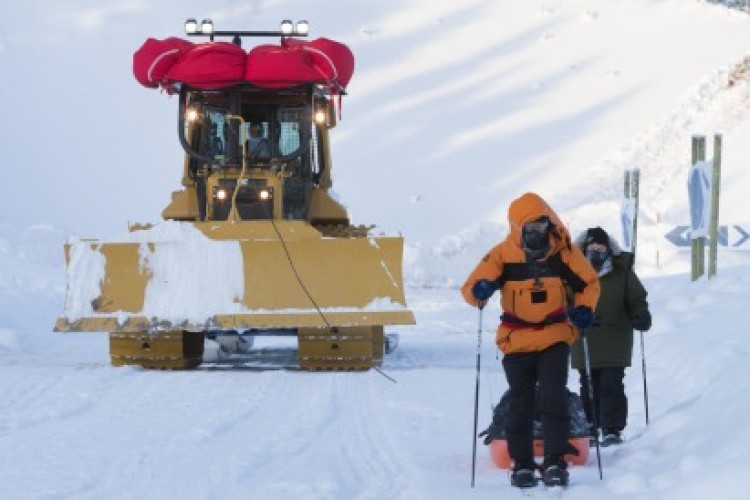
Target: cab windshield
266 133
222 131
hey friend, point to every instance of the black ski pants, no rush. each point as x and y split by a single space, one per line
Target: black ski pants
609 398
548 368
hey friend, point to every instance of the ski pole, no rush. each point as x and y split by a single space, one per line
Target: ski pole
584 339
476 398
645 385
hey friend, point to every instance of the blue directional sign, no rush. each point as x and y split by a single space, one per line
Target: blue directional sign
699 193
729 236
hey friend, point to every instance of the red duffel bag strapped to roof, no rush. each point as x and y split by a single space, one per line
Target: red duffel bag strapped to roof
156 57
215 65
209 66
331 58
296 62
275 66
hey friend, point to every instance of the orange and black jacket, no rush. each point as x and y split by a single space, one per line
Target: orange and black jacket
533 294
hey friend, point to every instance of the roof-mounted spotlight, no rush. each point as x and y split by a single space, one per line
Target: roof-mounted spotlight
287 27
207 27
302 28
191 26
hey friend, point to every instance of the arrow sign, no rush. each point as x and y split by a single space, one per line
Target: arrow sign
744 235
680 236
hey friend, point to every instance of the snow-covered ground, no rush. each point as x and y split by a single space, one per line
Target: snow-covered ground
455 109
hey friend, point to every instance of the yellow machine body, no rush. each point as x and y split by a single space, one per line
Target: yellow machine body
249 244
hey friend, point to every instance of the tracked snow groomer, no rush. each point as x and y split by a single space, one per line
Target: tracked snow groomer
253 243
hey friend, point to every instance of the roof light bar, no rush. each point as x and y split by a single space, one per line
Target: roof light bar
287 28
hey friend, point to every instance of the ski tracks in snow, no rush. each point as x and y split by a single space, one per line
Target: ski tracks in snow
32 402
377 462
336 433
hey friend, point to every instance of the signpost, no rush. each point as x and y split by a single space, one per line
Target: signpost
713 230
703 185
696 194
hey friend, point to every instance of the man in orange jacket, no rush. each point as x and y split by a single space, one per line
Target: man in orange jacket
532 268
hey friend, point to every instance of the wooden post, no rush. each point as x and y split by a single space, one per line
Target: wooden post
697 245
635 182
702 239
713 230
626 193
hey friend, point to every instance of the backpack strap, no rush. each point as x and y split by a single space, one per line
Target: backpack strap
553 267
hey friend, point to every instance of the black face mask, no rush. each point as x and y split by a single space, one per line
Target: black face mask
535 243
597 258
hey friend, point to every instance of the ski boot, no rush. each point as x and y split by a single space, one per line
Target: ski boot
555 471
522 475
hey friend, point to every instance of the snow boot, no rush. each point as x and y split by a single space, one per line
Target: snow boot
611 436
522 475
555 471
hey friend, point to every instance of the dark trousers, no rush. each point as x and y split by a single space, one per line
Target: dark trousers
609 398
548 368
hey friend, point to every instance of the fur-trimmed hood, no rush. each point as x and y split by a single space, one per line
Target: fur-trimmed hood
614 245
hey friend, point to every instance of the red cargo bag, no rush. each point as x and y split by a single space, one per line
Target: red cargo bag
210 65
156 57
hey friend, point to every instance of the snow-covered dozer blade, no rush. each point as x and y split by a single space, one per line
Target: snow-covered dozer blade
186 277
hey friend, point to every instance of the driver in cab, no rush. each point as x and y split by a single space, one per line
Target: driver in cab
258 146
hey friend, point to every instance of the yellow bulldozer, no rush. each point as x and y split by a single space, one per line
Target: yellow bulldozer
254 243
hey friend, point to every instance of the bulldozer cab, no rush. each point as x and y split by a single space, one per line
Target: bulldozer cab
253 154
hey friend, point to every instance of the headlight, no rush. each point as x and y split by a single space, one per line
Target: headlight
264 194
192 114
221 194
207 26
320 117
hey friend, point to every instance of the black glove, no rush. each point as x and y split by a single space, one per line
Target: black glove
483 289
582 317
642 320
486 435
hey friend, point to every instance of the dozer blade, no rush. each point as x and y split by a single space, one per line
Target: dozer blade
231 276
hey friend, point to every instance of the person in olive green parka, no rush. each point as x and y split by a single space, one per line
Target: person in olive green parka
622 307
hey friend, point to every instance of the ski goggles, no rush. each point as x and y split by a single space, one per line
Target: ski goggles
540 225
